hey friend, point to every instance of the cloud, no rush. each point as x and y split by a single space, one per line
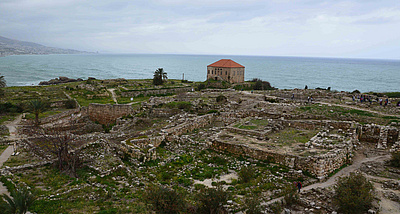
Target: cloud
256 27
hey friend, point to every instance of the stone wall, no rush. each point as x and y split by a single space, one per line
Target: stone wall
248 132
320 165
142 143
383 136
149 92
315 124
191 124
107 113
57 117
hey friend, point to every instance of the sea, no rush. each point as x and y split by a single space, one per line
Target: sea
339 74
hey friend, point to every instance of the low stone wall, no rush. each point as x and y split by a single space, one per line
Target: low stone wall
142 143
314 124
6 170
191 124
383 136
107 113
56 117
320 165
149 92
248 132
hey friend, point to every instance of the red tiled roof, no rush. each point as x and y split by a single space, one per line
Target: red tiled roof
226 63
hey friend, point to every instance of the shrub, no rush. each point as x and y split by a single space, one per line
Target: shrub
291 198
19 202
10 108
212 200
164 200
276 208
212 111
252 204
353 194
180 105
70 104
246 174
395 160
221 98
201 86
261 85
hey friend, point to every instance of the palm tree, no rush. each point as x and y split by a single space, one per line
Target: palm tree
2 82
159 76
36 107
19 202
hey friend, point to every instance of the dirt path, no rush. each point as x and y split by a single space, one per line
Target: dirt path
3 158
113 95
12 127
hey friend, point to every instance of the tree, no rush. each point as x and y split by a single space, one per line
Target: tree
19 202
159 77
37 107
2 82
353 194
2 85
53 143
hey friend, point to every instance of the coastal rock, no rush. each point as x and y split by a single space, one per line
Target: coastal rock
59 80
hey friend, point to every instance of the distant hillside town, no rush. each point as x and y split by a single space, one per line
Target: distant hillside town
15 47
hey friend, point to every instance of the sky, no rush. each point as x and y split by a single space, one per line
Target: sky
314 28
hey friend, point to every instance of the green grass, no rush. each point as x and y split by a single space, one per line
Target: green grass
260 122
31 116
8 117
341 113
246 127
125 100
85 102
2 148
289 136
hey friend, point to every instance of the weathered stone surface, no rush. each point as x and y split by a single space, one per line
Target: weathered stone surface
148 92
59 80
106 113
4 130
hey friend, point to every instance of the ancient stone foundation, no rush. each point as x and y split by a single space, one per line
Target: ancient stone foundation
149 92
107 113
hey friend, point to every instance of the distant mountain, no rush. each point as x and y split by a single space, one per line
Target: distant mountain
16 47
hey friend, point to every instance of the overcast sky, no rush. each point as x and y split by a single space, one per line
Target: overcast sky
330 28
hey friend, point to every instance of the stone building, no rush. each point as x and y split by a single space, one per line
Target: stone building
227 70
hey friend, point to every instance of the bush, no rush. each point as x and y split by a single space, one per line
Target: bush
201 86
252 204
221 98
10 108
276 208
395 160
70 104
164 200
19 202
261 85
180 105
246 174
212 200
291 198
353 194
